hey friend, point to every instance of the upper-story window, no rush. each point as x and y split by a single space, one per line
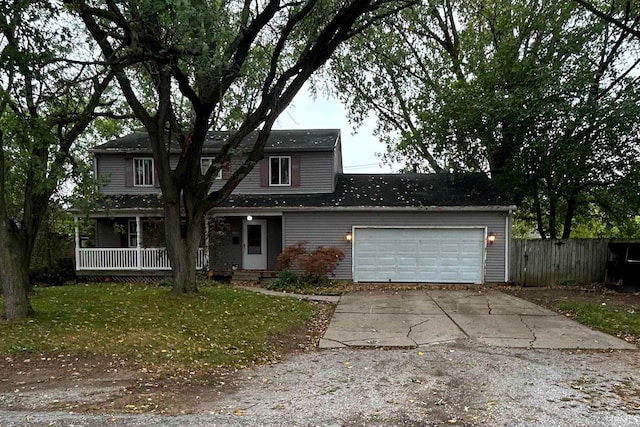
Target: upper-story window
280 170
143 172
205 162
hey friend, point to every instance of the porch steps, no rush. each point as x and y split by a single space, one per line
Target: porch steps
252 275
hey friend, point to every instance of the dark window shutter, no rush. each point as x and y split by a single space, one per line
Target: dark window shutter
156 176
128 172
295 171
264 172
226 170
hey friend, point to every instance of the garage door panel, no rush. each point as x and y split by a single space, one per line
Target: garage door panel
367 261
419 255
387 261
405 262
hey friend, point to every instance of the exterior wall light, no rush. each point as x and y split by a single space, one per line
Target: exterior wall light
348 237
249 218
491 238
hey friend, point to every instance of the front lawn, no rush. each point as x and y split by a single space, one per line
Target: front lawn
143 325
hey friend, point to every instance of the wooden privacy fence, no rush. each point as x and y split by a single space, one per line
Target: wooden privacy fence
554 262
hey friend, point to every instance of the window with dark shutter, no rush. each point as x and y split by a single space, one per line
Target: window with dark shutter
295 171
280 171
128 172
143 172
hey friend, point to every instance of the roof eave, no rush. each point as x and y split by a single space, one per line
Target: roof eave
158 211
284 208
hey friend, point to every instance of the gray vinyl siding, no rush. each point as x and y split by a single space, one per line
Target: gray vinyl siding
110 169
330 228
316 175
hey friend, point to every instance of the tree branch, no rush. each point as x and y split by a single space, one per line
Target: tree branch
610 19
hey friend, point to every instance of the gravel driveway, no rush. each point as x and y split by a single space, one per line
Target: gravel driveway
458 383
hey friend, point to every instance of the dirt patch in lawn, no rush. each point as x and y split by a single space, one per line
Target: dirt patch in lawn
90 384
595 294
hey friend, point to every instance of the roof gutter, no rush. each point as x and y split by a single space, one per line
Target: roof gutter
116 212
279 209
284 208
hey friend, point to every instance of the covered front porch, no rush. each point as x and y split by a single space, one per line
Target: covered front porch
119 259
245 242
127 244
133 242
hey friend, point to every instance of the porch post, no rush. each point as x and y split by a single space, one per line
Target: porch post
206 242
77 239
139 241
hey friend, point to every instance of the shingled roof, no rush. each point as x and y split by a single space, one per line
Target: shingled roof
279 140
389 190
360 191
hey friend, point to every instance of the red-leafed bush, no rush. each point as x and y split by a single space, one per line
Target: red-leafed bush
322 262
291 254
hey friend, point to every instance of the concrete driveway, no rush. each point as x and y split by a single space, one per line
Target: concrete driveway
421 317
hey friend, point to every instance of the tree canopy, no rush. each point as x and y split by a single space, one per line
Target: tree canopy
50 91
541 95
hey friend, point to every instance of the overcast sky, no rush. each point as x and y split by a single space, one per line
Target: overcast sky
358 149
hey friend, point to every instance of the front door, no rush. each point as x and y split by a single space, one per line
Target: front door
254 244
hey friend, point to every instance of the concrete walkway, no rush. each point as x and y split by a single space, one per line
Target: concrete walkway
422 317
263 291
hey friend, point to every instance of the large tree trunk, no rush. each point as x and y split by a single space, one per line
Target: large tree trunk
14 275
571 210
183 238
538 209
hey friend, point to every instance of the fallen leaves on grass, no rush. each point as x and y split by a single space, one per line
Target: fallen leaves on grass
145 326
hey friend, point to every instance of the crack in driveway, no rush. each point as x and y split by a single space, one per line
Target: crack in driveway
411 330
533 334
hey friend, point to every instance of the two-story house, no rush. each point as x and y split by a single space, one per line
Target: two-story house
440 228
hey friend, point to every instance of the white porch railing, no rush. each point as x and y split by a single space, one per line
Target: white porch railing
130 259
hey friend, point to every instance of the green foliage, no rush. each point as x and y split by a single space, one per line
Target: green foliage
146 326
539 95
51 88
287 281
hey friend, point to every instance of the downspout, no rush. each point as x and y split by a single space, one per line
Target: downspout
507 244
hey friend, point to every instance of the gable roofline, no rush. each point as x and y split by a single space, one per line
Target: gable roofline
280 140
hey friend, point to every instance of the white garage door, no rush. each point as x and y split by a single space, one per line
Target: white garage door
431 255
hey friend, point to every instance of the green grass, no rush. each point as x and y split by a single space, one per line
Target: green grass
618 321
146 326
